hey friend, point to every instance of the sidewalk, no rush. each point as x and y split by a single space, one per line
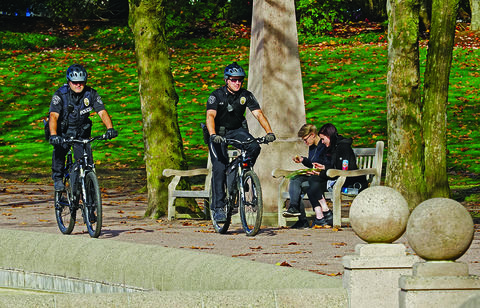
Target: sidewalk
29 207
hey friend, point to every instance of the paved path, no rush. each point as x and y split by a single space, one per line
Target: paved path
29 207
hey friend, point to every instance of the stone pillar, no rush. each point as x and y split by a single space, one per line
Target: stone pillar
440 281
274 77
438 284
378 216
371 275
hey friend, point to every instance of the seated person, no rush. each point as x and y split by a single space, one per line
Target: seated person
338 150
308 182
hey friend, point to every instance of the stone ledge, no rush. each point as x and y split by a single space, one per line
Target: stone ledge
146 266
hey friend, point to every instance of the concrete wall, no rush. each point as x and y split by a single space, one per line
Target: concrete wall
158 269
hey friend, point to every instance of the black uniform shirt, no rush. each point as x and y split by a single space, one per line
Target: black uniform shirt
231 107
83 103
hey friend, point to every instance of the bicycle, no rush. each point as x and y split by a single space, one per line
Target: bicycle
82 191
244 195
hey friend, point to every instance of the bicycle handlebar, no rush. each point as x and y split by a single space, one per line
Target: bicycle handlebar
84 141
260 140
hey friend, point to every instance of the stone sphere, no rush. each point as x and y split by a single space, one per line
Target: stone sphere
440 229
379 214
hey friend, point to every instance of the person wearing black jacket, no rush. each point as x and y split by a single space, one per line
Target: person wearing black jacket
308 182
225 118
69 114
339 150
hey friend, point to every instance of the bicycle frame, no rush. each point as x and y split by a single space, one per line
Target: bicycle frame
240 175
81 185
82 164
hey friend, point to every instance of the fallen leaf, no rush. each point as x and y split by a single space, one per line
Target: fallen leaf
284 263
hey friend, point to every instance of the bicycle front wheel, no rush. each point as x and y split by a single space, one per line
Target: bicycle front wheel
92 209
251 203
64 209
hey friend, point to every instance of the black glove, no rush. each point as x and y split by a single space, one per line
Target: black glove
55 140
270 137
111 133
216 138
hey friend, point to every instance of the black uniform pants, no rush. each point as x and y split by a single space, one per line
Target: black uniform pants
60 152
58 158
219 158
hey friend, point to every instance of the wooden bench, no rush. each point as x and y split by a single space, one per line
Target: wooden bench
173 193
369 162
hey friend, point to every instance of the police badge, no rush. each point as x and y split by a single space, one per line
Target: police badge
243 100
86 102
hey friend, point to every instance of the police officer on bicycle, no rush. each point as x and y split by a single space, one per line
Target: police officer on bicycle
226 119
70 109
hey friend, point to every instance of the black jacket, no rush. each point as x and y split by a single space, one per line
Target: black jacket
340 149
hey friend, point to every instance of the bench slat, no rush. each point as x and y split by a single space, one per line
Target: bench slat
191 193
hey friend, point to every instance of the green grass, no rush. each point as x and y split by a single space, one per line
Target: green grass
344 83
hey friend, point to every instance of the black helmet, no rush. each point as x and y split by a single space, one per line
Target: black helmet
76 72
233 70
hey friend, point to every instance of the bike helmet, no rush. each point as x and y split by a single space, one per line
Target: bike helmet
76 72
233 70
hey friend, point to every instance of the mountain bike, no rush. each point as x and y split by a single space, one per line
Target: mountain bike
82 191
243 192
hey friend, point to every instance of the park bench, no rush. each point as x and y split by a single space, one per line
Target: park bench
369 162
204 194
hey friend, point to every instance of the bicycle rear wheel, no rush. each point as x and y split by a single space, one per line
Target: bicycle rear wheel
92 209
251 204
64 212
221 227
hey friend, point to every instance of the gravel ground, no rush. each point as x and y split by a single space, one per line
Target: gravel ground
29 207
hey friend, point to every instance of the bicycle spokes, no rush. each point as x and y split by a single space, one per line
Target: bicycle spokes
251 205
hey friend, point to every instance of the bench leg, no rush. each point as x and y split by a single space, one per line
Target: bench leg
171 199
337 202
171 208
281 220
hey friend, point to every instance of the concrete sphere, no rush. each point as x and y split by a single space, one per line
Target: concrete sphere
379 214
440 229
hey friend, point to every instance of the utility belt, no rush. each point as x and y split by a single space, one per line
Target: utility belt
222 130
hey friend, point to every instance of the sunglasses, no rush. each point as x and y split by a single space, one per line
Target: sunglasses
236 80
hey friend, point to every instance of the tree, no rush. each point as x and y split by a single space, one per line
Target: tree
439 60
475 9
405 163
161 135
416 164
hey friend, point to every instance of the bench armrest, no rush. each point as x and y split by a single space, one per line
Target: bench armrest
193 172
349 173
281 173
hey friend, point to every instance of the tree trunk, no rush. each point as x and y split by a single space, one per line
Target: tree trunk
405 163
475 15
161 135
437 73
426 13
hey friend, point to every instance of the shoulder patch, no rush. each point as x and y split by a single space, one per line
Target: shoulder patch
211 99
99 100
56 100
